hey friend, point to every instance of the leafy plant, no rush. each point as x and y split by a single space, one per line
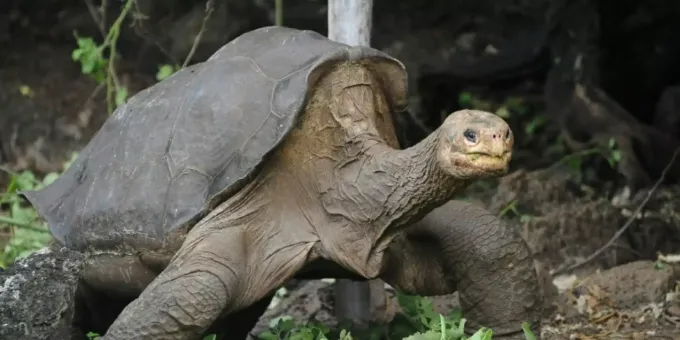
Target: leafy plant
96 336
90 56
166 70
284 328
28 235
419 321
574 161
102 68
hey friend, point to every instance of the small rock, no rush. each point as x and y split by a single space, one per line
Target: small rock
37 296
633 284
673 311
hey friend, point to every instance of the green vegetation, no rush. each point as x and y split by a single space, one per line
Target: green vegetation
418 322
101 68
28 234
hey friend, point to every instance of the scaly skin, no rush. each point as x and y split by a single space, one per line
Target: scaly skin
462 247
337 189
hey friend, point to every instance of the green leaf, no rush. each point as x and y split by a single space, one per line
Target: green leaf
49 178
442 327
527 331
465 99
503 112
268 335
76 54
517 104
345 335
456 315
402 326
284 323
574 163
525 218
165 71
459 331
426 312
302 334
316 325
534 124
429 335
20 214
92 335
482 334
25 181
121 96
67 164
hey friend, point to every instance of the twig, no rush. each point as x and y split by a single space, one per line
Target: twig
508 207
150 38
209 8
628 223
94 93
24 225
575 155
102 11
95 16
8 171
112 82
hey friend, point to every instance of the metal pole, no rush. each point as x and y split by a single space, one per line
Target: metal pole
350 22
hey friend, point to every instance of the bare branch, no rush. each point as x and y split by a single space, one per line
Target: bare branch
16 223
209 8
96 18
628 223
102 15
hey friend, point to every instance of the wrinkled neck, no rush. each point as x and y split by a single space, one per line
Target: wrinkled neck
376 191
419 184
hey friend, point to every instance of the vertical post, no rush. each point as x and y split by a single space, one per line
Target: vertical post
350 22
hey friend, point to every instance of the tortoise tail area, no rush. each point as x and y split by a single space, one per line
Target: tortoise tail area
52 204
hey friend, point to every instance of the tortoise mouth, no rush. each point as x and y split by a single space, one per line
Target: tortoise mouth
479 164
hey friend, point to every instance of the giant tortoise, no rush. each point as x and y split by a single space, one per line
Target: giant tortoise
277 158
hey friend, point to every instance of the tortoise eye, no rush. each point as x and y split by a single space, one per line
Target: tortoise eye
470 135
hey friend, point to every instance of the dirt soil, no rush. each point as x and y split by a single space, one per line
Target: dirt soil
49 109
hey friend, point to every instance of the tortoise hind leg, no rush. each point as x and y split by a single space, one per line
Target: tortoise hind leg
108 283
462 247
218 270
124 276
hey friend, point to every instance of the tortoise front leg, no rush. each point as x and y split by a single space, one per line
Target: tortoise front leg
239 325
215 273
462 247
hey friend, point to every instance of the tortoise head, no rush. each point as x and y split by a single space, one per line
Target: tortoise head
474 144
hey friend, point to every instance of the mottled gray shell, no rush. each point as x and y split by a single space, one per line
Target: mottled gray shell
165 157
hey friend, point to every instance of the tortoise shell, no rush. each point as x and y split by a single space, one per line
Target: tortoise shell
177 148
